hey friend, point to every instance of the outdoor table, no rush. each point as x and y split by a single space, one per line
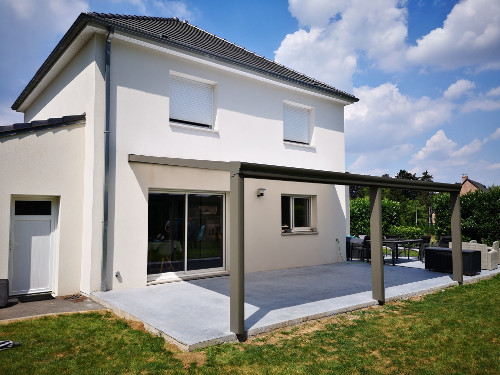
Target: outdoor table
393 244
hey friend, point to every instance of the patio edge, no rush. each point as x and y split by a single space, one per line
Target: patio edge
155 331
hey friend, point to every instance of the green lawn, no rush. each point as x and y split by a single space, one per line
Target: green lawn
451 332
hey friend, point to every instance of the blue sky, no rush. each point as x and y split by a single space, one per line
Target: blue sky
427 72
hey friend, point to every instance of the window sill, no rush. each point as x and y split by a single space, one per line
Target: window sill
299 233
193 128
299 146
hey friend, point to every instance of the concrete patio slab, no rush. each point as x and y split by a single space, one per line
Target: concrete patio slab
195 313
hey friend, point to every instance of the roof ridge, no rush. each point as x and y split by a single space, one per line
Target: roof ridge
129 16
204 43
265 58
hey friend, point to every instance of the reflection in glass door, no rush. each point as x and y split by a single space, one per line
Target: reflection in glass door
166 214
185 232
204 235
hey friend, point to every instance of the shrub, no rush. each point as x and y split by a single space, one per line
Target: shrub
406 232
480 213
360 215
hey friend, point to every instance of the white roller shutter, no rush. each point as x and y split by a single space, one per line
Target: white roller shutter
191 101
295 123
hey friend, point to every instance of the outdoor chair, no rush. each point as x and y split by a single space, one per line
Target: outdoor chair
444 241
496 247
489 257
421 251
366 249
354 247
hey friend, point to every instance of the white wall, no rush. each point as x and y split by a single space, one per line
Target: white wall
266 248
79 88
130 219
47 163
248 120
249 127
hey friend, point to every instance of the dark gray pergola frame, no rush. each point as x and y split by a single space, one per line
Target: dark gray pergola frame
240 170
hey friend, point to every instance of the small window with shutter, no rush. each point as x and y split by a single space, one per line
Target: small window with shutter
191 101
296 123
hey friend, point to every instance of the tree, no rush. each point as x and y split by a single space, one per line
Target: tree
360 215
425 197
356 191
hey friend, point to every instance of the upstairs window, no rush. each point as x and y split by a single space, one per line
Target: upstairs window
296 123
295 213
191 101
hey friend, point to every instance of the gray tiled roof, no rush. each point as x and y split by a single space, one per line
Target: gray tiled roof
37 125
181 34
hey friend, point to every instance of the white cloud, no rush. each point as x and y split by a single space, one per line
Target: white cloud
173 8
161 8
61 13
376 162
335 36
481 103
384 115
495 135
470 36
448 160
442 151
338 38
494 92
459 88
493 166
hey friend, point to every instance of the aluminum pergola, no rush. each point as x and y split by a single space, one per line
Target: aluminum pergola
240 170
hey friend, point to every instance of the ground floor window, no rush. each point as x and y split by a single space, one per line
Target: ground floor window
185 232
295 213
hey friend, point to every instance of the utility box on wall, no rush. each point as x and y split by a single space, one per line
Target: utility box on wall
4 292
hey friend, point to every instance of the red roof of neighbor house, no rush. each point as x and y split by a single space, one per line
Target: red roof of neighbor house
180 34
479 185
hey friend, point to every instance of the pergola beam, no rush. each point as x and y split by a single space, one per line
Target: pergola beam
237 253
239 171
377 259
456 238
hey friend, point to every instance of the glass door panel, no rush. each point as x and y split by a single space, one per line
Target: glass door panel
166 232
205 231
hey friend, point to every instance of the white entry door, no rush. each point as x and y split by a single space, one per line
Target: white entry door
31 247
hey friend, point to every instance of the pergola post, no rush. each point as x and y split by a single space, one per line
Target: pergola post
377 261
237 253
456 237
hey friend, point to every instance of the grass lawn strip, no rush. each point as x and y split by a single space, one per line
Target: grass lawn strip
455 331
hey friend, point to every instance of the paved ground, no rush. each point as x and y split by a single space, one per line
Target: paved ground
195 313
16 310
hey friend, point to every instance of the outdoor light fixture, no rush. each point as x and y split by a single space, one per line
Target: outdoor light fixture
260 192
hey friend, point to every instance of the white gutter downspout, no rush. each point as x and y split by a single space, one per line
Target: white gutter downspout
106 160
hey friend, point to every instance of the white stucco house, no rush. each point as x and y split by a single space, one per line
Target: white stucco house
86 199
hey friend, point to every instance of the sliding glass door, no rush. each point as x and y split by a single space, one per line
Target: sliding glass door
185 232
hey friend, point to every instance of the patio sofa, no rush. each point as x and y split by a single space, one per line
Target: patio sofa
489 256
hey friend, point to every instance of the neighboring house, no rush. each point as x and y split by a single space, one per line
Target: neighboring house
469 185
83 176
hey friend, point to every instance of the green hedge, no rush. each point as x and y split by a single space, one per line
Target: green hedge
480 213
406 232
360 215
